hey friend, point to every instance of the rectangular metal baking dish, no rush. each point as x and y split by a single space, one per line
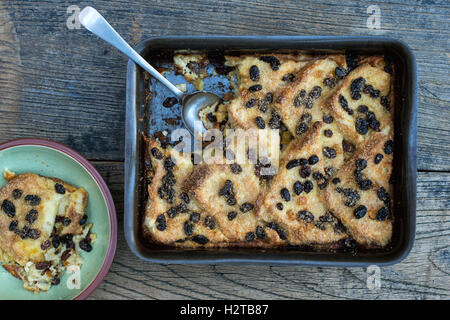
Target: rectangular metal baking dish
404 163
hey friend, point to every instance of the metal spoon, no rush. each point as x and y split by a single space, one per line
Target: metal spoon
192 103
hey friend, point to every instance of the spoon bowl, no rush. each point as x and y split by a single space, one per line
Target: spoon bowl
192 103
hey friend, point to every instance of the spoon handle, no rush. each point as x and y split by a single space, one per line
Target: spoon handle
92 20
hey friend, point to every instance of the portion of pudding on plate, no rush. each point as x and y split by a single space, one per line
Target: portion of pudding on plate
43 227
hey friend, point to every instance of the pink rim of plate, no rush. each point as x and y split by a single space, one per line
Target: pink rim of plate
106 195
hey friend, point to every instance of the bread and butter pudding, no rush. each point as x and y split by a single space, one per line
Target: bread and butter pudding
332 185
43 226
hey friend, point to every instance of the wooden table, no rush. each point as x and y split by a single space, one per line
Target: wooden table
64 84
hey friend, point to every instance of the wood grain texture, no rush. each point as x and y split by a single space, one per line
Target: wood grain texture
425 274
74 88
67 85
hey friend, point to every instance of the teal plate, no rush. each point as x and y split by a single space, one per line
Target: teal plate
51 159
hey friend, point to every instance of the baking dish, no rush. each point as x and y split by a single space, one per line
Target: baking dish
143 117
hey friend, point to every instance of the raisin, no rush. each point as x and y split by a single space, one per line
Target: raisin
288 77
66 221
305 171
280 206
328 133
211 117
245 207
292 164
65 255
344 104
303 161
352 197
210 222
352 60
269 97
231 201
308 103
389 147
260 233
260 122
329 82
363 109
13 225
249 237
357 84
169 164
298 187
336 180
55 281
250 103
33 200
378 158
43 265
263 106
8 208
46 244
301 128
173 212
306 216
232 215
361 164
285 194
254 73
281 233
358 175
383 214
383 195
385 102
365 184
328 118
184 197
360 212
200 239
315 92
273 61
188 228
350 245
17 193
235 168
373 122
194 217
56 242
33 234
85 245
83 220
323 185
340 72
306 117
361 126
329 171
255 88
227 190
313 159
317 175
274 123
161 222
348 146
356 95
169 102
59 188
308 186
31 216
330 153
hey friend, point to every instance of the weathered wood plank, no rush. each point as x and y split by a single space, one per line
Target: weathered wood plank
425 274
68 86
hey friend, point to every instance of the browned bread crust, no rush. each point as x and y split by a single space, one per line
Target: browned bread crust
335 110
